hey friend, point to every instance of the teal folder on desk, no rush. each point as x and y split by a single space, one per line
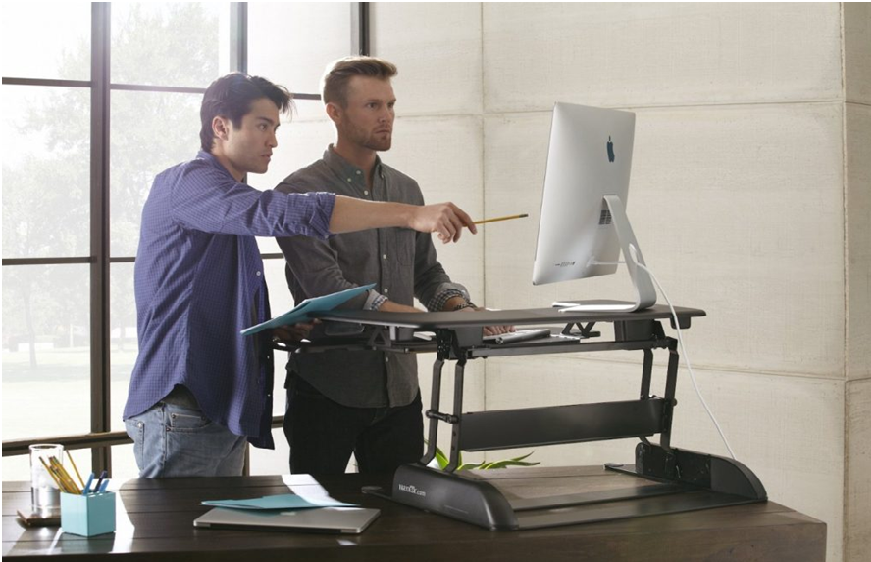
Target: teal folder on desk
302 311
281 501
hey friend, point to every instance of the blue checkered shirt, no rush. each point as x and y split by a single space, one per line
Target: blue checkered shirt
198 280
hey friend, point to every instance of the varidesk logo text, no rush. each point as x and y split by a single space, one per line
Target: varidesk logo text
411 490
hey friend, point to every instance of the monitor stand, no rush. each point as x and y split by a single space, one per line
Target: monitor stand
645 294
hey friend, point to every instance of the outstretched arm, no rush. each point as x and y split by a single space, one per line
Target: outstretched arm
445 219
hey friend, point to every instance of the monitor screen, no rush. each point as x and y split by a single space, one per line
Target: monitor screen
586 187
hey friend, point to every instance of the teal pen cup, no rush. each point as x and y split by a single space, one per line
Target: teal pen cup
89 515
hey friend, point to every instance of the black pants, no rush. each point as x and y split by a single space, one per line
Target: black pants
322 434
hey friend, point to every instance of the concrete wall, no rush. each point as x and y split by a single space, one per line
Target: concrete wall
857 70
750 196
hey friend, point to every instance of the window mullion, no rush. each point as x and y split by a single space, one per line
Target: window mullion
99 229
360 28
239 37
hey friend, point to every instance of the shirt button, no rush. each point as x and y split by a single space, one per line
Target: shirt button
349 180
258 274
386 359
359 172
385 290
365 193
384 256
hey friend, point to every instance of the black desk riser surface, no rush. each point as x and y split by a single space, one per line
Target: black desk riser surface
679 480
519 317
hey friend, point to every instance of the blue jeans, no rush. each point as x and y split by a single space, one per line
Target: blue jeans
172 441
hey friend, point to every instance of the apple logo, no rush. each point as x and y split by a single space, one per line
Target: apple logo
610 146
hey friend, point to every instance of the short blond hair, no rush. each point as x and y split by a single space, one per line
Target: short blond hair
340 72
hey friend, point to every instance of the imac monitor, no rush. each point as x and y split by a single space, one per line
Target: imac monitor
583 224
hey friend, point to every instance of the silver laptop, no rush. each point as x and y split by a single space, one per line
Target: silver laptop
320 519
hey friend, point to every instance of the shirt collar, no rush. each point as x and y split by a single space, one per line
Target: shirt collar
345 168
210 158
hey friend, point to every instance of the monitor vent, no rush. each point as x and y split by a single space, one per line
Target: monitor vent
604 217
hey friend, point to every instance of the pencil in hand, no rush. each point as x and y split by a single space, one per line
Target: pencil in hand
499 219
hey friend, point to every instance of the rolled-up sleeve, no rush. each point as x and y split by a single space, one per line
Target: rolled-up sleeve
430 279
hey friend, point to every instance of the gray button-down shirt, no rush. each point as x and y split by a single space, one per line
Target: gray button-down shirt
402 263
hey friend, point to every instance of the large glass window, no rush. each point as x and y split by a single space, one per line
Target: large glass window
161 57
46 350
123 346
46 216
42 40
291 43
46 174
168 43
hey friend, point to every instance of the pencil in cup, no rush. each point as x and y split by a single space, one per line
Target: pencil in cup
65 476
51 471
500 219
73 462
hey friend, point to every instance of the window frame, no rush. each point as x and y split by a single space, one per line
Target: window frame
101 439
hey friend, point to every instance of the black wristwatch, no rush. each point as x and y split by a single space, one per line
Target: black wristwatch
467 304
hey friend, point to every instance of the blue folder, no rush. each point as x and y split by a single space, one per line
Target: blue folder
281 501
302 311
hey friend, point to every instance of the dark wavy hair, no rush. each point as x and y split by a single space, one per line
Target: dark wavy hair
231 96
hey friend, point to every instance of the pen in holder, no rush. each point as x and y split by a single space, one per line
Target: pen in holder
87 515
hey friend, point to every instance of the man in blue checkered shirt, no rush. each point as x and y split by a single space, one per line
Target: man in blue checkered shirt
199 391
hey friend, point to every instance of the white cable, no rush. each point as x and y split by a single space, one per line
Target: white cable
684 353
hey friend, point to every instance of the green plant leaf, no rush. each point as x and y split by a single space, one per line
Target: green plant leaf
441 459
516 461
507 463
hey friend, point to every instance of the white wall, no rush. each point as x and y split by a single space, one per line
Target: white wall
750 194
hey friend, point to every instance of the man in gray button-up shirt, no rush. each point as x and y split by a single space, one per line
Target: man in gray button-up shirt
368 402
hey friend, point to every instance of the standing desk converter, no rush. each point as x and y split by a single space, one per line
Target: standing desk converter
673 480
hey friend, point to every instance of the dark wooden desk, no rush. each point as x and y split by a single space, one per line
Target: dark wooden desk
154 523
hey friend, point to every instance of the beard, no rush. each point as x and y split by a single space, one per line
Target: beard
379 142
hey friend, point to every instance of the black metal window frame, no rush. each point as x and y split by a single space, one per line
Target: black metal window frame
101 438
